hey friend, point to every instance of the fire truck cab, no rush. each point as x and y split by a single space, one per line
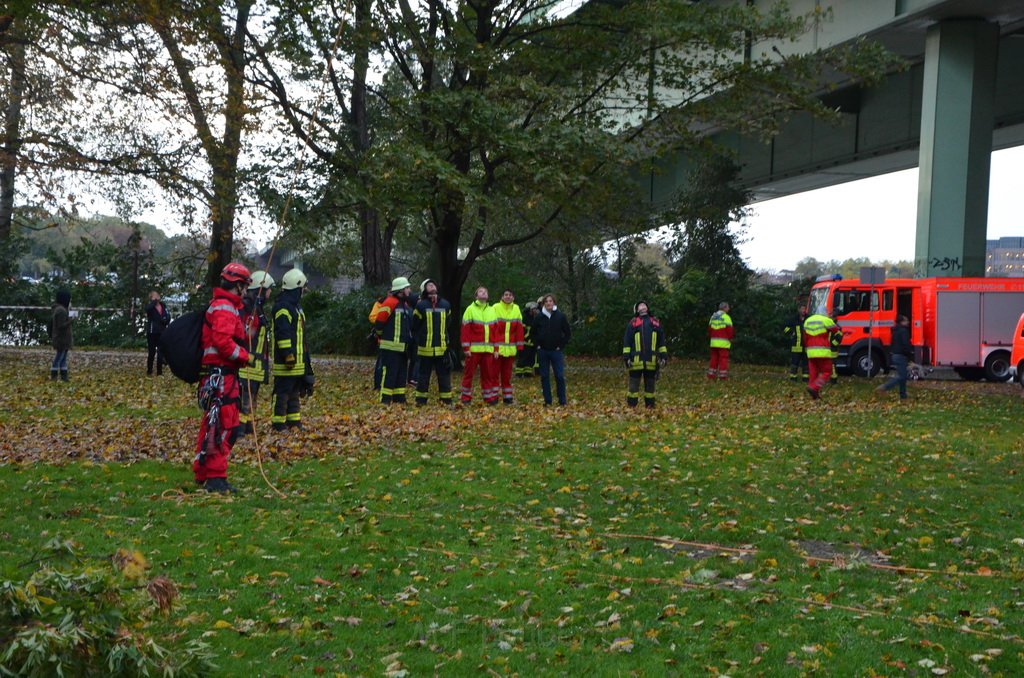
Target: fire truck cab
963 323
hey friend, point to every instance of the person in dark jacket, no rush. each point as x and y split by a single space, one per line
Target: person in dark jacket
902 352
644 353
430 321
526 359
393 323
550 334
293 369
60 333
157 318
794 331
258 337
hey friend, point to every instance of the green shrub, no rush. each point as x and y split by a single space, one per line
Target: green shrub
75 618
338 324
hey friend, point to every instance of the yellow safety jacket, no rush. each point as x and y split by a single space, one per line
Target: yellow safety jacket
477 322
507 332
818 330
720 329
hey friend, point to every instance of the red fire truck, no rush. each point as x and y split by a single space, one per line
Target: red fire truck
963 323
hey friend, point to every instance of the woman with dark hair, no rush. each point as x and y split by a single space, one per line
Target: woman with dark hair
551 333
60 333
157 320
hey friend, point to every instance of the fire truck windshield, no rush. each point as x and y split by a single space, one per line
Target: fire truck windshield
818 302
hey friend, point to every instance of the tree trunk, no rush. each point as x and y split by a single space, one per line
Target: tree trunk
444 257
376 245
12 137
222 218
224 156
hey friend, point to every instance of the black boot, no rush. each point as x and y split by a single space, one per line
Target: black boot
53 375
63 375
220 485
649 403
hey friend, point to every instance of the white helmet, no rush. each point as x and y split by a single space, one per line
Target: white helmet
399 284
261 279
293 279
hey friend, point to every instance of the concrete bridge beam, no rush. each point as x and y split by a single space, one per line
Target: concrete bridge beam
956 141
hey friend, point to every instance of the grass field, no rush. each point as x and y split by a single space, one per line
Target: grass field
740 529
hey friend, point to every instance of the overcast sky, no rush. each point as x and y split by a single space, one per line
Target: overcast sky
874 218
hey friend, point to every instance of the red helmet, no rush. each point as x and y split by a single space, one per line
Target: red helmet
235 272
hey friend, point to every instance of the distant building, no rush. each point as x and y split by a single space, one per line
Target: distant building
784 277
1004 257
287 259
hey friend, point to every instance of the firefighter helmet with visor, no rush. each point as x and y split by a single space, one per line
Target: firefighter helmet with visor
293 279
236 273
261 279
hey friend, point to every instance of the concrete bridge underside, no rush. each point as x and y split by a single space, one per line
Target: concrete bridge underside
961 98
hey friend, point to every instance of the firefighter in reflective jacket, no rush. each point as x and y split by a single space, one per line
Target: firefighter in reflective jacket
394 327
293 371
818 333
477 323
223 344
430 321
507 334
257 333
794 330
526 359
644 353
720 333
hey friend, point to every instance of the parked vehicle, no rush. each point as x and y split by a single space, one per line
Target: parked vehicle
963 323
1017 353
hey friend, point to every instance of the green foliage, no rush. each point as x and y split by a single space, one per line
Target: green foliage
10 250
809 267
74 617
599 328
338 324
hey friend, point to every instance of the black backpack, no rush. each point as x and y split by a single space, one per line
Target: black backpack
181 345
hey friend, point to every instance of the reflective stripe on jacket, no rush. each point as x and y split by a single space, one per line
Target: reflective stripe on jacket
393 325
720 330
795 330
257 325
289 335
818 333
477 323
507 333
430 326
223 336
644 343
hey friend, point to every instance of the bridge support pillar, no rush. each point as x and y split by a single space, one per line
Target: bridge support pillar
956 145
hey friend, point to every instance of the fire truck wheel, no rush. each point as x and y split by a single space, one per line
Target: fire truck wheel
863 366
997 366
